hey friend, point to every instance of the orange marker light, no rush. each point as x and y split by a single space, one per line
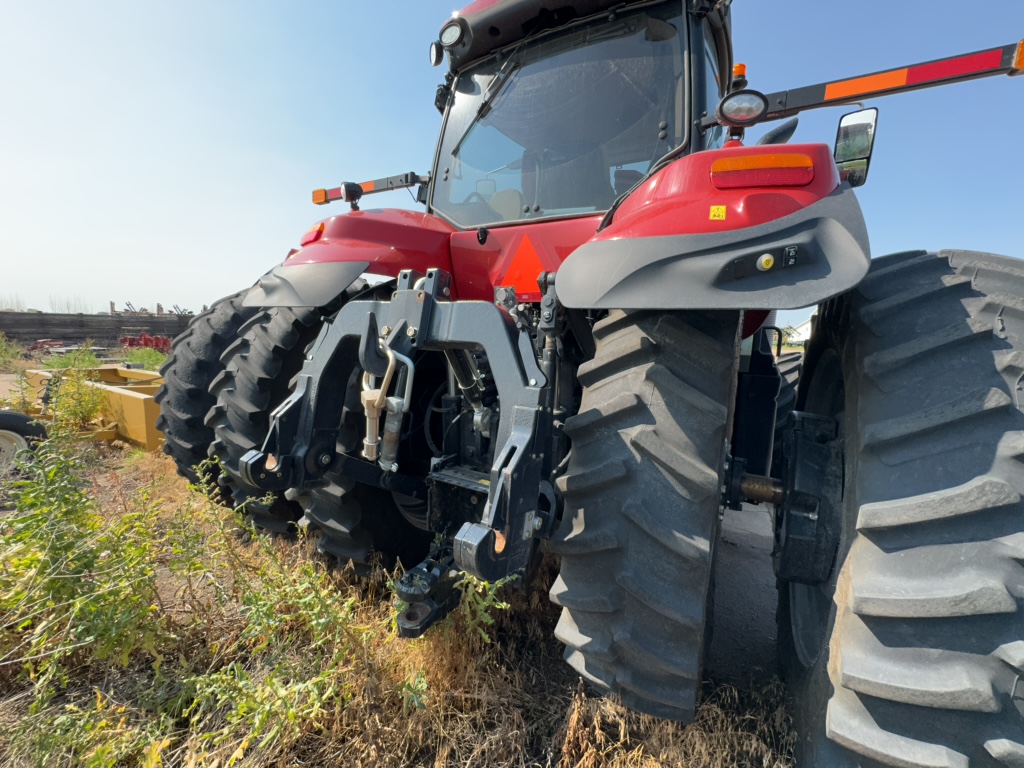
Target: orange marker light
320 196
770 170
739 70
312 234
1018 62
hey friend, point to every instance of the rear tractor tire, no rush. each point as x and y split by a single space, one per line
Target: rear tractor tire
912 651
256 376
356 521
642 499
184 397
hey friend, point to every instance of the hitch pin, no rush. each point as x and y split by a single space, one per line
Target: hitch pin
373 400
396 408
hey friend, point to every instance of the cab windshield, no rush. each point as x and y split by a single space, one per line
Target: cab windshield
563 124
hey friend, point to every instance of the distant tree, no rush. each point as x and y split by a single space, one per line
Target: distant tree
12 303
789 334
69 305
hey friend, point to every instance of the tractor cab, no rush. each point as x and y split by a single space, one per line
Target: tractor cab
564 120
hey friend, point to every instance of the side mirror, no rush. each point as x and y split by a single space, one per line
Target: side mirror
854 143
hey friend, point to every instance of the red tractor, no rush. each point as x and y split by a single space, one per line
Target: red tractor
572 351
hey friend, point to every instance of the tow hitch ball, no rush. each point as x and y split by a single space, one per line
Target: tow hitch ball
807 499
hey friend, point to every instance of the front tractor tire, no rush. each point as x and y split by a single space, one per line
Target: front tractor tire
184 397
912 651
642 499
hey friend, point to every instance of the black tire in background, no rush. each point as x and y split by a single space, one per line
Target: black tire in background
642 500
184 397
18 432
256 376
912 653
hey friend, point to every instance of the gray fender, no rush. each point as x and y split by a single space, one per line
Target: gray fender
304 285
819 252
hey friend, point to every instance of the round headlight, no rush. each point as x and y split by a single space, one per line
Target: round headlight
436 54
742 108
451 34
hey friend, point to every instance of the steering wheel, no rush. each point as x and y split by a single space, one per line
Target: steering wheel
474 197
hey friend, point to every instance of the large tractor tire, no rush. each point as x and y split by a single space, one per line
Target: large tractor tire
258 369
356 521
642 499
912 652
184 397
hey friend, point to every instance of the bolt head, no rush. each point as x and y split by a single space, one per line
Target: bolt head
533 382
538 523
385 330
325 459
410 332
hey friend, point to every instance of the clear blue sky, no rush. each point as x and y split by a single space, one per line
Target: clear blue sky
158 151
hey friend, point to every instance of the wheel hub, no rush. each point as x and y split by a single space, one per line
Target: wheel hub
11 443
808 522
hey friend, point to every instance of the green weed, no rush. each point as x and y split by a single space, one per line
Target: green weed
69 579
83 357
149 358
10 353
479 602
140 626
74 402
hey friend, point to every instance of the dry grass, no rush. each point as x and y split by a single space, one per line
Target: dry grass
267 657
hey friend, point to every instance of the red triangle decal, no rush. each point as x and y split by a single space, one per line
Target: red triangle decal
524 270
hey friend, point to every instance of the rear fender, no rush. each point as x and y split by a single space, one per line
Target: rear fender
381 242
815 253
681 240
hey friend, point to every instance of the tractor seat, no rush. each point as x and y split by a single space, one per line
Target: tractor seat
508 203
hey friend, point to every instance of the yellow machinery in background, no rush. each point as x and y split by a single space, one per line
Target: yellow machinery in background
128 412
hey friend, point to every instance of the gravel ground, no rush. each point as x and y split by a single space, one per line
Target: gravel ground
743 637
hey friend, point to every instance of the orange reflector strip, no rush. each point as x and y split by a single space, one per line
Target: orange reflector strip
320 197
368 186
1018 63
760 162
790 170
883 82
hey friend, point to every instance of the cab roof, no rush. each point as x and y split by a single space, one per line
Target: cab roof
490 25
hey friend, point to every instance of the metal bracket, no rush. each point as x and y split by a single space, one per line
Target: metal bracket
304 428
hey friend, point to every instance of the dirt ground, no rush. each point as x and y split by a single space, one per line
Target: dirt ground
7 383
